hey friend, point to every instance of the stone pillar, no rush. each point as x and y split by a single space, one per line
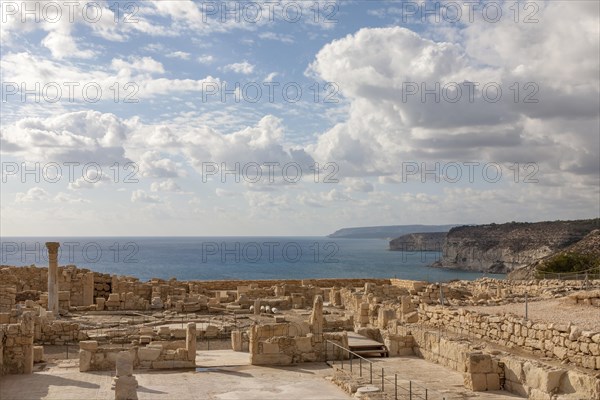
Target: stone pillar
28 327
125 382
256 307
190 341
236 340
53 277
88 289
316 319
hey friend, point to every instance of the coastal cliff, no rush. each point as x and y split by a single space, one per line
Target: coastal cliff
428 241
502 248
589 245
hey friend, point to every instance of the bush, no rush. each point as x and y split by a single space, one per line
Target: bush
571 262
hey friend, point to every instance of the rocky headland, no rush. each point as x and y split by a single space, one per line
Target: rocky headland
502 248
429 241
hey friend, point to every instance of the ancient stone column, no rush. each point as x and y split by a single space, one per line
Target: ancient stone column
88 289
316 319
190 341
53 277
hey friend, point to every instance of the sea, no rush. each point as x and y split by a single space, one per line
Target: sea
232 258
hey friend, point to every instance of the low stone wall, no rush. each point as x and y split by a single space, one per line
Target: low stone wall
561 342
398 344
156 355
413 286
484 370
590 298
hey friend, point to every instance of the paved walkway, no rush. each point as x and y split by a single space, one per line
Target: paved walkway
244 382
226 375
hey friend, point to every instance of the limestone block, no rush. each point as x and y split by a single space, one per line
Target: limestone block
164 331
211 331
270 348
304 344
493 381
85 360
126 388
541 378
475 382
90 345
149 353
236 340
178 333
38 354
124 364
478 363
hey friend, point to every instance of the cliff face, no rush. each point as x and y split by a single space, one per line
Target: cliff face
590 244
501 248
430 241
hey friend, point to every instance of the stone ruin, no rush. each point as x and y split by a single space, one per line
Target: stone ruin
291 321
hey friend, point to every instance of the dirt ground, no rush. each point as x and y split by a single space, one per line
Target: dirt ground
550 311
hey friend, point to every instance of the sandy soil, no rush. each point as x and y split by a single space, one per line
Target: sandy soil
550 311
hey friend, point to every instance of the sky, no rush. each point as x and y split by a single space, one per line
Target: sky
295 117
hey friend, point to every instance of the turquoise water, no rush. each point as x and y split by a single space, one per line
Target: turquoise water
208 258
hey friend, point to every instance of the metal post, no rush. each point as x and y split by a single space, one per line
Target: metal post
526 306
409 390
371 373
360 366
395 386
426 394
382 379
350 361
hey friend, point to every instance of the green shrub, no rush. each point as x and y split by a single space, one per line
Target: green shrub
571 262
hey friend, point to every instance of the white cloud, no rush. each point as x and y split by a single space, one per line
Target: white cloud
240 68
168 185
140 196
270 77
33 194
38 194
206 59
182 55
277 36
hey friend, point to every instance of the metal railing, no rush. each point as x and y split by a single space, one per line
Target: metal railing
401 389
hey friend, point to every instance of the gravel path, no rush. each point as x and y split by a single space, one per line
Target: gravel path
551 310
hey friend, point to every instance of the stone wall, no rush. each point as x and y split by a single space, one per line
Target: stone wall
155 355
16 346
483 370
272 344
590 298
7 297
561 342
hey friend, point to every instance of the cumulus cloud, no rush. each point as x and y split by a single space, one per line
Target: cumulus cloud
140 196
168 185
240 68
82 136
383 129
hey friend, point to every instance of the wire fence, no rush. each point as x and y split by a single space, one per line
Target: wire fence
362 368
584 276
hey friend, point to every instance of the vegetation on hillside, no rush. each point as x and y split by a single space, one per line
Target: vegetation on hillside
571 262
